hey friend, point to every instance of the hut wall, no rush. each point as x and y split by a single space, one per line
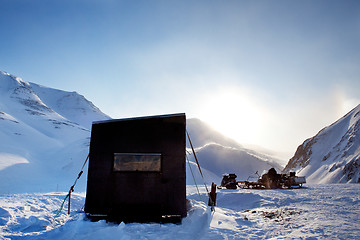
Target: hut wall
137 195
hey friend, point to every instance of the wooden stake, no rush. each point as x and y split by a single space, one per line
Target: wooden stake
69 202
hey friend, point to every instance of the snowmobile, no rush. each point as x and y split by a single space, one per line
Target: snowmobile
229 181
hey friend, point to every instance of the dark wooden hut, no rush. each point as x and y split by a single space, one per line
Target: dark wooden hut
137 169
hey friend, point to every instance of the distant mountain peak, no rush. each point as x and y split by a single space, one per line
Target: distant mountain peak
219 154
43 132
19 80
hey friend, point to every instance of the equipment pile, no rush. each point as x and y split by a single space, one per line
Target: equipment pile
270 180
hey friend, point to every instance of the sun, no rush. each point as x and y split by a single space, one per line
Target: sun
234 114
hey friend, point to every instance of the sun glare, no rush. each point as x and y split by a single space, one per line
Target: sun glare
233 114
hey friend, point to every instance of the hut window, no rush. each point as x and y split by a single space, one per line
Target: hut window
142 162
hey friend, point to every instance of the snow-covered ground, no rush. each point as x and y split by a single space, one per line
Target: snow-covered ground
315 212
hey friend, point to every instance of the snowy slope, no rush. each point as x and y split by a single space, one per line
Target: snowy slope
219 154
333 155
82 111
42 140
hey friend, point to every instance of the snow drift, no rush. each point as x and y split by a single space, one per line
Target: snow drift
316 212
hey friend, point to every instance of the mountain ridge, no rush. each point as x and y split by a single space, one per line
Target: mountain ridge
39 148
44 138
333 154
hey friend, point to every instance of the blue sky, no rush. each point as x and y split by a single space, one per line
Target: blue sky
271 73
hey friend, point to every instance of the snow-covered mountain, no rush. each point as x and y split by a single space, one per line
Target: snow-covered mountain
44 135
333 155
44 139
202 134
219 154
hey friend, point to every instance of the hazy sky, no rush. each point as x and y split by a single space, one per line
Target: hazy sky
271 73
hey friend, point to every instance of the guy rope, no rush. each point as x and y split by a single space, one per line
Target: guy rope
72 189
212 198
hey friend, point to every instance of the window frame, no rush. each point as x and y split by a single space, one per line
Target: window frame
116 166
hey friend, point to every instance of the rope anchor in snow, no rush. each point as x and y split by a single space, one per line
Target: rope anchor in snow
71 190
